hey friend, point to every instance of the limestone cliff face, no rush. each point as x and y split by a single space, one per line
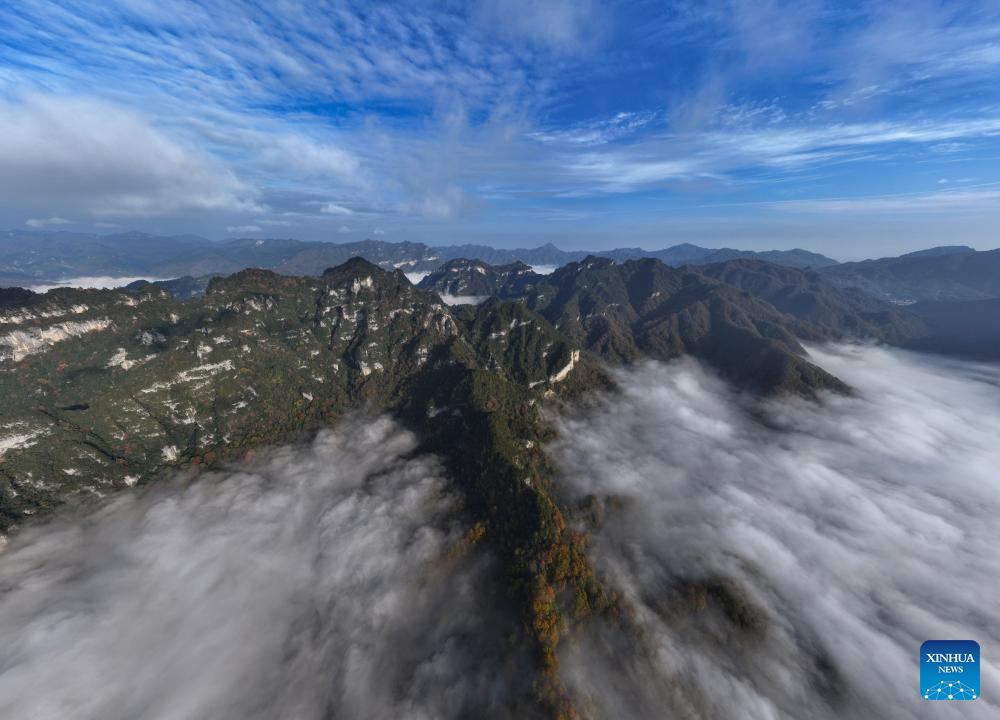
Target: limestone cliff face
475 277
123 385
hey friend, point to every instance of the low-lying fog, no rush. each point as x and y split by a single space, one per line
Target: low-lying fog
783 559
788 559
314 583
99 282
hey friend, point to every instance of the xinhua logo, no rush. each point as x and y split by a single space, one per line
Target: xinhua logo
949 670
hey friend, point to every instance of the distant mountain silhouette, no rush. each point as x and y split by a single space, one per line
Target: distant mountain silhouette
36 257
937 274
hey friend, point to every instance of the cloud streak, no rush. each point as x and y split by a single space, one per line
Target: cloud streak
39 223
947 201
721 154
787 559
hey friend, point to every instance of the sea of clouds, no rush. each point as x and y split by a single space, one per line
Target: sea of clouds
318 581
854 529
314 582
100 282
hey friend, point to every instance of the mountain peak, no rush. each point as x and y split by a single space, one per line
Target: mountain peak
941 250
353 265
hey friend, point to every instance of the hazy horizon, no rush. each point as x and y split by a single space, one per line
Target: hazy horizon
565 244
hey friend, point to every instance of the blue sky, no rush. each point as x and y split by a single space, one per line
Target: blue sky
852 128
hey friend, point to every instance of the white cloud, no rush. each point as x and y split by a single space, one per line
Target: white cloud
343 229
243 229
335 209
93 157
444 202
781 142
904 46
720 153
298 154
310 583
597 132
46 222
785 558
516 64
944 201
93 281
562 25
378 231
621 172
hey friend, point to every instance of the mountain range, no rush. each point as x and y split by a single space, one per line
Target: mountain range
952 273
30 258
34 257
104 388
